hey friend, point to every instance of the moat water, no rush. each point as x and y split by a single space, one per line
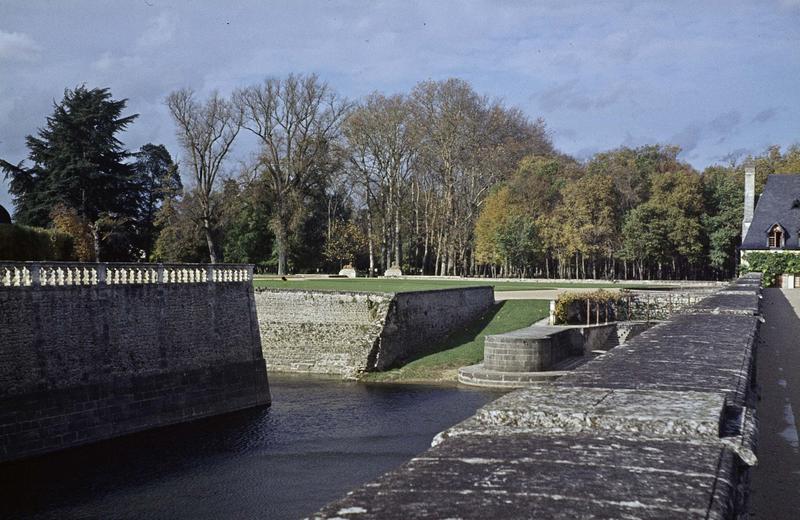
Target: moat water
318 440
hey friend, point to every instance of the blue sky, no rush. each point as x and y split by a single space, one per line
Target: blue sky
715 78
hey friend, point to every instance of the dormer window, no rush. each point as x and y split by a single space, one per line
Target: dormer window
776 237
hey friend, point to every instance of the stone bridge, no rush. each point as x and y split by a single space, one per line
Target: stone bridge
660 427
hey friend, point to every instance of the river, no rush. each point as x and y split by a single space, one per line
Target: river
318 440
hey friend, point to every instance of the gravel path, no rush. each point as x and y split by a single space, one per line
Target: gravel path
776 479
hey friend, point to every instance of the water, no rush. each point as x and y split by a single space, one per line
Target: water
318 440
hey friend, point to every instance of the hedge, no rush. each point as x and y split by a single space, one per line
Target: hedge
23 243
603 302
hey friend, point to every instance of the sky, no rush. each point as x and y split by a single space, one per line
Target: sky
719 79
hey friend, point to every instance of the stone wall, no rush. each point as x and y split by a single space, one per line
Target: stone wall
347 333
661 427
660 305
318 331
88 353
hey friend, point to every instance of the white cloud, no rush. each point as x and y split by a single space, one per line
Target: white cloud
16 46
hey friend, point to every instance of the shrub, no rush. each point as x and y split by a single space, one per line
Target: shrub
23 243
571 306
771 265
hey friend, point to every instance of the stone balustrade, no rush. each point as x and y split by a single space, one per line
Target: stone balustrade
42 274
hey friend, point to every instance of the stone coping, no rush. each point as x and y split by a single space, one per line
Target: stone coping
549 410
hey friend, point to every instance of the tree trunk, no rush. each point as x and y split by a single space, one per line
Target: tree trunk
370 243
95 241
212 255
397 246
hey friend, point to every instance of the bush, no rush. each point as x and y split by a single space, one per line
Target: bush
571 306
771 265
23 243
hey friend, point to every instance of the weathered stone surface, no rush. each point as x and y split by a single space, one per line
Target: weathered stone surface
556 410
84 363
659 305
691 352
656 428
533 476
346 333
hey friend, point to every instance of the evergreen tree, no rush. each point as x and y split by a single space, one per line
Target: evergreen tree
155 178
78 162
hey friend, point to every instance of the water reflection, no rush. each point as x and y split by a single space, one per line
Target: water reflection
320 439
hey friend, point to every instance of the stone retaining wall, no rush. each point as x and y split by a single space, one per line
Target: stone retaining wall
660 305
661 427
92 351
347 333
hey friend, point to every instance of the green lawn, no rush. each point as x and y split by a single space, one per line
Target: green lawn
466 347
406 285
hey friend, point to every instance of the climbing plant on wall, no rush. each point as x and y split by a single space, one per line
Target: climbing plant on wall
771 265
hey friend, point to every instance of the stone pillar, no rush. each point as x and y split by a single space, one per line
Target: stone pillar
749 198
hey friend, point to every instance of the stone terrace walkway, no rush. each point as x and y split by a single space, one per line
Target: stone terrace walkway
656 428
776 479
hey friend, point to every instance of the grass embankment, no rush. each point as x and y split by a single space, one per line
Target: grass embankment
465 347
407 285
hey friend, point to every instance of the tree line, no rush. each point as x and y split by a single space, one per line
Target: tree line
439 180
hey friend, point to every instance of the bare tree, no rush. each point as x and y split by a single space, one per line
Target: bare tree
297 120
382 149
206 131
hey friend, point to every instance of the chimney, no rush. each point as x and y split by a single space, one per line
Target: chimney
749 198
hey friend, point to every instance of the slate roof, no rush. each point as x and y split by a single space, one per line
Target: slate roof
5 218
775 206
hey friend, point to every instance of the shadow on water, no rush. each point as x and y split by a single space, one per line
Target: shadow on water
776 478
319 439
460 337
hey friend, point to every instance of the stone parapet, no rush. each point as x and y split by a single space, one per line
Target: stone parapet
56 274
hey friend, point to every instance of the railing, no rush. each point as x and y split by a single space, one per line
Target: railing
43 274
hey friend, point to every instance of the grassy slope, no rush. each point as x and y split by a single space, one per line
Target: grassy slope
466 347
405 285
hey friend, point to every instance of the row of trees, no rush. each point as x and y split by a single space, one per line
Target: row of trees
440 180
412 170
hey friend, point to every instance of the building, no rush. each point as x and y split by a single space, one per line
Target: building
774 224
